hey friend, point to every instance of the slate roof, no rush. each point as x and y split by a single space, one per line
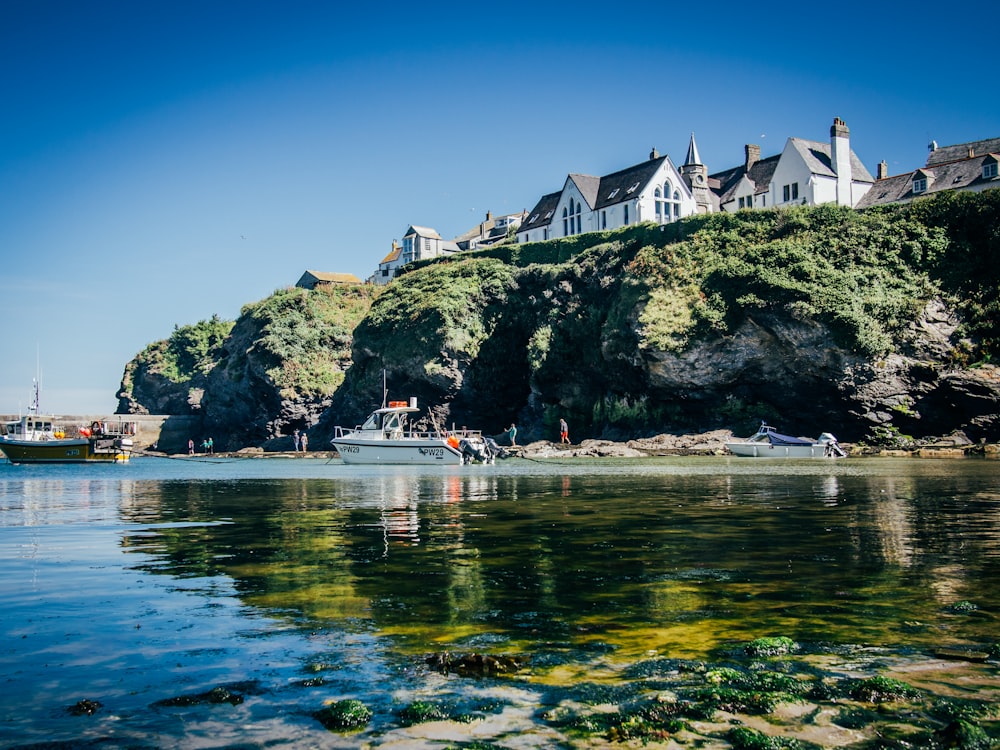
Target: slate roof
627 182
966 174
817 158
598 192
960 151
541 214
724 184
588 185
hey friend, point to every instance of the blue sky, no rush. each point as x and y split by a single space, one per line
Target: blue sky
161 163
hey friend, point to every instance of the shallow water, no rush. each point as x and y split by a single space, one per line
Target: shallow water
300 581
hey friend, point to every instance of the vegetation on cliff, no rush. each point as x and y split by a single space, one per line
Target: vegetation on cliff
618 330
304 337
816 317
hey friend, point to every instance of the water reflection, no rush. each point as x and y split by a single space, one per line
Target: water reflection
662 560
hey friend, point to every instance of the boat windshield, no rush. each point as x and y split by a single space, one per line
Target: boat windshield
374 422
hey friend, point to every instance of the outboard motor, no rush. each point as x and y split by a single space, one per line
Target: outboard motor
495 450
832 446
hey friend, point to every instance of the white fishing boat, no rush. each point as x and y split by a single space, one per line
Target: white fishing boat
767 443
386 438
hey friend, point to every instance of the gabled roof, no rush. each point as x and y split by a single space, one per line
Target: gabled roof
956 175
724 184
310 278
422 232
944 154
625 184
817 159
541 214
588 185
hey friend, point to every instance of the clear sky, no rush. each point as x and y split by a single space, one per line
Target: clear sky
161 162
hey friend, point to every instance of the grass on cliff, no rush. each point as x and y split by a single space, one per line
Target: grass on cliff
189 352
306 335
438 309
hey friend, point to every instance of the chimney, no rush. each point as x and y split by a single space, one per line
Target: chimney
840 160
654 154
932 146
883 170
752 155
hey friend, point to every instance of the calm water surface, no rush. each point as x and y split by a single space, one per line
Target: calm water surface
305 581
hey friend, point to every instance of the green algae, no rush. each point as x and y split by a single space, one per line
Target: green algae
344 714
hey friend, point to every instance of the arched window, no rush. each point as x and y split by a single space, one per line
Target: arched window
565 221
572 221
668 203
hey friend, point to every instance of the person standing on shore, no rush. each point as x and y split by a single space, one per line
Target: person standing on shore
295 440
512 431
563 431
305 442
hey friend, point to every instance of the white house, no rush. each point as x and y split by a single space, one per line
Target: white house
654 190
419 243
806 172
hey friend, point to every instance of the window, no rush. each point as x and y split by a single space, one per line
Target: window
787 193
668 203
791 192
625 208
989 170
919 184
572 222
613 193
633 188
604 219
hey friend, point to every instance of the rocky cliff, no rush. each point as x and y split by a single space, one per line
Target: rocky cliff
877 326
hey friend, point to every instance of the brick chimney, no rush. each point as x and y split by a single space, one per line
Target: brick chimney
883 170
752 155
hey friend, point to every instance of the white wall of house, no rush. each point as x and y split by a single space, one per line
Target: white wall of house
790 184
643 204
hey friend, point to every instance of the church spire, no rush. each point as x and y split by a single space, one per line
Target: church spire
693 158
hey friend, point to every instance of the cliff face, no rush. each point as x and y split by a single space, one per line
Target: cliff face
874 326
274 372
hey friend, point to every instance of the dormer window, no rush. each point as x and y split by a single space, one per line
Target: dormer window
990 170
919 184
613 193
633 188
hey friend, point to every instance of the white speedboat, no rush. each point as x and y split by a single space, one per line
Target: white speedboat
766 443
386 438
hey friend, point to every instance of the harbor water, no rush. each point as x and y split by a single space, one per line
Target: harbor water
213 602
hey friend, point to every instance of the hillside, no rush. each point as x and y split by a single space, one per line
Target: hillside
875 325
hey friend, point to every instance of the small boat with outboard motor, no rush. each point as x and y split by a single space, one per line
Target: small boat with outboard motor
387 437
768 443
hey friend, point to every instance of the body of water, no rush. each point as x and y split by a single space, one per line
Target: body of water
215 603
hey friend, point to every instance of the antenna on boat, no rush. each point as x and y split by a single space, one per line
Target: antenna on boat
385 391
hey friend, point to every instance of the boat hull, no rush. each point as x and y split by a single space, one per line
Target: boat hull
403 451
68 451
766 450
